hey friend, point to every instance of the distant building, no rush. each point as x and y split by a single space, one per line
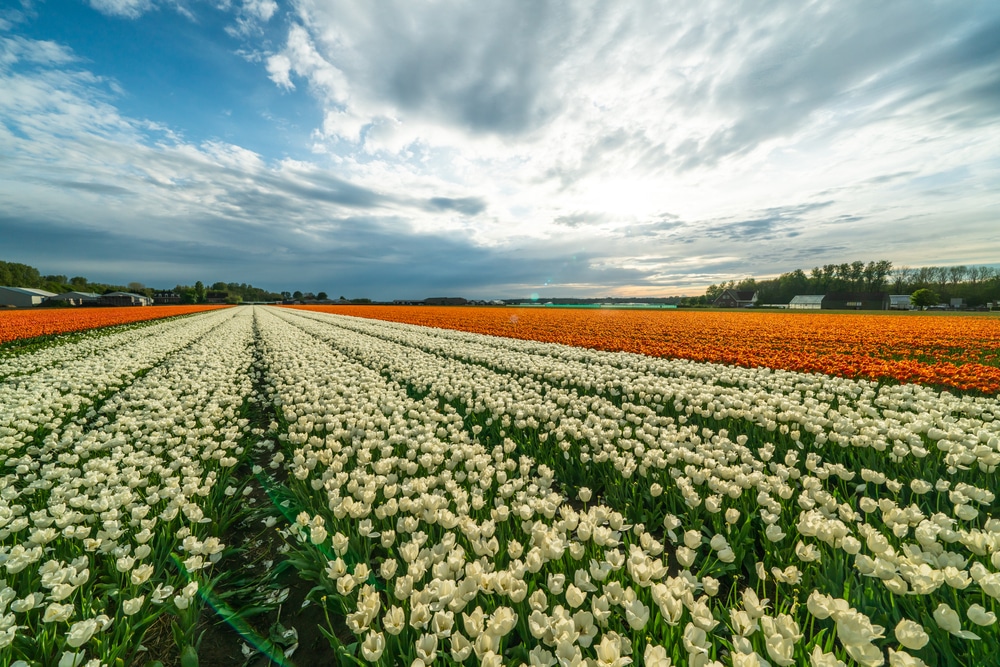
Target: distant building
164 298
856 301
216 297
23 297
957 303
732 298
124 299
900 302
76 298
445 301
806 302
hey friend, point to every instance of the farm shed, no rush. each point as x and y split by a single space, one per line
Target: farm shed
125 299
856 301
23 297
76 298
732 298
806 302
900 302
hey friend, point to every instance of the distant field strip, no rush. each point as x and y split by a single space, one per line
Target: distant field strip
962 352
18 324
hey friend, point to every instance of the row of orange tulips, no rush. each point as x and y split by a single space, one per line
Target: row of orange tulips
950 351
18 324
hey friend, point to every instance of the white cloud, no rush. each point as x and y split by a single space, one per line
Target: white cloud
40 52
251 18
124 8
327 81
262 10
279 68
706 110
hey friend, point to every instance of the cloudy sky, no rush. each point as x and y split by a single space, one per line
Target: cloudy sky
495 148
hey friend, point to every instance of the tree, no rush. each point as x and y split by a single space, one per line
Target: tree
78 281
199 292
902 277
923 298
321 296
297 294
711 294
15 274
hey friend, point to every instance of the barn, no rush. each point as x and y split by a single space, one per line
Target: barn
125 299
23 297
76 298
806 302
900 302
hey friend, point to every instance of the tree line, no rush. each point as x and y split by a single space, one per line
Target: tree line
14 274
234 292
975 285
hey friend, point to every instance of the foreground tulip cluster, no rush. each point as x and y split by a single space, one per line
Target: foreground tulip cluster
460 499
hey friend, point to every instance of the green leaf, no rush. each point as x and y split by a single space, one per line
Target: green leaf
189 656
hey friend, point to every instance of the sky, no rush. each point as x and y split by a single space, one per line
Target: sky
496 148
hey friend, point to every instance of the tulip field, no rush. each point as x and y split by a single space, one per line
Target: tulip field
21 324
446 497
943 350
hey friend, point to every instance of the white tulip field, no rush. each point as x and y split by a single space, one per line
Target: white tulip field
448 498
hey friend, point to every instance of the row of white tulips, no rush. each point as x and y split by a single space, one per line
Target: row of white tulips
72 347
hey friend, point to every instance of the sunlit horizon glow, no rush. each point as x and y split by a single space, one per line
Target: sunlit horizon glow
495 150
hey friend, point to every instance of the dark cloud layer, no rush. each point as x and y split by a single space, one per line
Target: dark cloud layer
470 206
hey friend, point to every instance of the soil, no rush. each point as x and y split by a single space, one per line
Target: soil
222 644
